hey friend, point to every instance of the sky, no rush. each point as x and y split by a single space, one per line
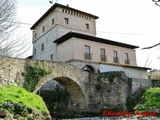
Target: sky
135 22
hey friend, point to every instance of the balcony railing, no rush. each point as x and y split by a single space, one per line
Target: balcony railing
127 61
115 60
87 56
103 58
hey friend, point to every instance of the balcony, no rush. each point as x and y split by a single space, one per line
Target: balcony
87 56
127 61
115 60
103 58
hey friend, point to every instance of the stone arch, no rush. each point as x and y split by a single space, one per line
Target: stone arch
88 68
73 79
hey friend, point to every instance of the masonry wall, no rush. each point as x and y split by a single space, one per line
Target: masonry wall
97 91
112 94
107 95
50 48
76 23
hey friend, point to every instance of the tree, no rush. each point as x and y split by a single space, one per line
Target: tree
10 44
148 61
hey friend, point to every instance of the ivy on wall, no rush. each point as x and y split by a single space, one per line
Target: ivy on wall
33 74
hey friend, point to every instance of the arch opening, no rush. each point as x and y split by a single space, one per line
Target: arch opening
88 68
63 97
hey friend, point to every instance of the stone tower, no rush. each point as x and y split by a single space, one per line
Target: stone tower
56 22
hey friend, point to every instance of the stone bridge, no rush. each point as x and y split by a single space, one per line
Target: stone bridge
88 92
72 78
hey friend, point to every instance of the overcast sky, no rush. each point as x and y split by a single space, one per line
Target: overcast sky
134 22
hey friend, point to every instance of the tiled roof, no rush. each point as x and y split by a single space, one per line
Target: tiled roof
92 38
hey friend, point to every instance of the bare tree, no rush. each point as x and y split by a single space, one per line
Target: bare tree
11 45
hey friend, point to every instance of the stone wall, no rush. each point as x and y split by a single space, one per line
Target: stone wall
111 90
108 93
12 71
89 92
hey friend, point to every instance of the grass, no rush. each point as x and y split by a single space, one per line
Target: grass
18 94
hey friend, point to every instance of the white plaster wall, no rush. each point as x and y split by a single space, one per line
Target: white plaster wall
130 72
136 73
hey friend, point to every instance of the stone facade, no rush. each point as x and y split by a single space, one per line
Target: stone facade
77 21
60 20
54 26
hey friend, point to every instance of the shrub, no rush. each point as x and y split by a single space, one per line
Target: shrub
152 100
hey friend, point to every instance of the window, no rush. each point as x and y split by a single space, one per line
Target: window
66 21
43 29
35 35
87 26
115 56
42 47
51 57
87 49
103 55
53 21
126 58
87 54
34 52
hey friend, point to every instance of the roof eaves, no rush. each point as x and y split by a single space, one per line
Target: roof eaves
92 38
52 8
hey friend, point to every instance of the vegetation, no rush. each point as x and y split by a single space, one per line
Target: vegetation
117 74
133 101
56 99
22 104
33 74
152 100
